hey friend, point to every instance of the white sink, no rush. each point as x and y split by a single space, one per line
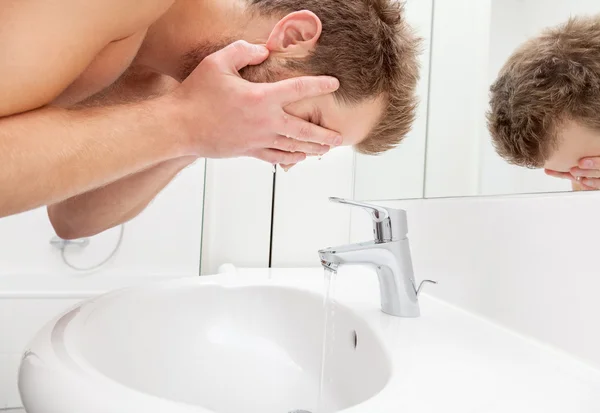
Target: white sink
252 342
194 344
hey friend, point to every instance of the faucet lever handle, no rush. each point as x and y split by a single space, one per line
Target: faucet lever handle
379 214
388 224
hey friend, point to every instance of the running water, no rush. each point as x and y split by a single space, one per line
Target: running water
328 341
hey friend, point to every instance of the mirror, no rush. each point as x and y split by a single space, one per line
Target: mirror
449 152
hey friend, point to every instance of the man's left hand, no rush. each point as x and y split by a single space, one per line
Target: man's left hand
587 173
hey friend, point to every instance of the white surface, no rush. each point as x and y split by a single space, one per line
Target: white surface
237 224
457 96
529 263
163 240
305 221
399 173
445 361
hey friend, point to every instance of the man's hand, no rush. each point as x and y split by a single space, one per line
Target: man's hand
587 173
585 177
227 116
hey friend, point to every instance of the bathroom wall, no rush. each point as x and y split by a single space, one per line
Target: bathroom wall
237 224
529 263
456 96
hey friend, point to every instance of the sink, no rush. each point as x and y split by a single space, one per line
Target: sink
209 344
251 341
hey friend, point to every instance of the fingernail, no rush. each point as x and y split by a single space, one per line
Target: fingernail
334 83
588 164
588 182
338 141
260 49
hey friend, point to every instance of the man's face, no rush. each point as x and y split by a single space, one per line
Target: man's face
353 122
575 143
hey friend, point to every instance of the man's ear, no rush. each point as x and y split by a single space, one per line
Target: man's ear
295 35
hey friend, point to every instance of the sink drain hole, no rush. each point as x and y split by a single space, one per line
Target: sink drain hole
355 339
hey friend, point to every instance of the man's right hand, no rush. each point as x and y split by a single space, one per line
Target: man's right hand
226 116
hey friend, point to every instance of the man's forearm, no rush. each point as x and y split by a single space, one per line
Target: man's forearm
93 212
52 154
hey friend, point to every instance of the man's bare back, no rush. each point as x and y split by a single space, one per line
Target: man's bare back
68 141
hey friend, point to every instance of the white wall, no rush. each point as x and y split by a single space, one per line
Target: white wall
399 173
457 98
529 263
305 221
237 223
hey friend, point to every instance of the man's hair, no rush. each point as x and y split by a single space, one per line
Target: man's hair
550 80
370 48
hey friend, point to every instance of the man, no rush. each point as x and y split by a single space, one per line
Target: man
545 105
155 46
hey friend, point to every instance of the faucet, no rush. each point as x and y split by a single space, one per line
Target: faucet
389 254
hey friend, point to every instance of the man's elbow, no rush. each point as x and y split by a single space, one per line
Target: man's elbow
63 225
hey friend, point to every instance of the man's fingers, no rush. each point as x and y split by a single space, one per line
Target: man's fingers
590 163
293 145
561 175
298 88
274 156
302 130
591 184
240 54
287 167
586 173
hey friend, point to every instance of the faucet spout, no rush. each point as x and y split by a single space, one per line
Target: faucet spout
393 265
388 254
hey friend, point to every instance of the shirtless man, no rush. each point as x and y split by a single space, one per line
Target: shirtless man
102 103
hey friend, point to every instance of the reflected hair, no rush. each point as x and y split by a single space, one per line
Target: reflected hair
550 80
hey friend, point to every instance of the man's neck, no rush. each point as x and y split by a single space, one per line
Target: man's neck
186 27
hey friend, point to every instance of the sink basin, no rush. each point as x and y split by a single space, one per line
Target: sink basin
210 344
251 341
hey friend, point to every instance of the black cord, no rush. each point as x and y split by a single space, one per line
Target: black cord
272 217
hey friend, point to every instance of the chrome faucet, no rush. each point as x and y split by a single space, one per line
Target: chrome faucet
389 253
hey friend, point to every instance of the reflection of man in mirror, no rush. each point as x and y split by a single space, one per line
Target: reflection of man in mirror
545 104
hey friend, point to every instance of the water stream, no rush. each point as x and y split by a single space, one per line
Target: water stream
326 378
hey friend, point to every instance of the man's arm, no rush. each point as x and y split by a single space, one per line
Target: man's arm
47 154
98 210
95 211
52 154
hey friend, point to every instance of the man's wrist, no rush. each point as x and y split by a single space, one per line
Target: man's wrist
173 118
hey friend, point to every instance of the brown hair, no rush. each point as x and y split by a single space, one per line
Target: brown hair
551 79
370 48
